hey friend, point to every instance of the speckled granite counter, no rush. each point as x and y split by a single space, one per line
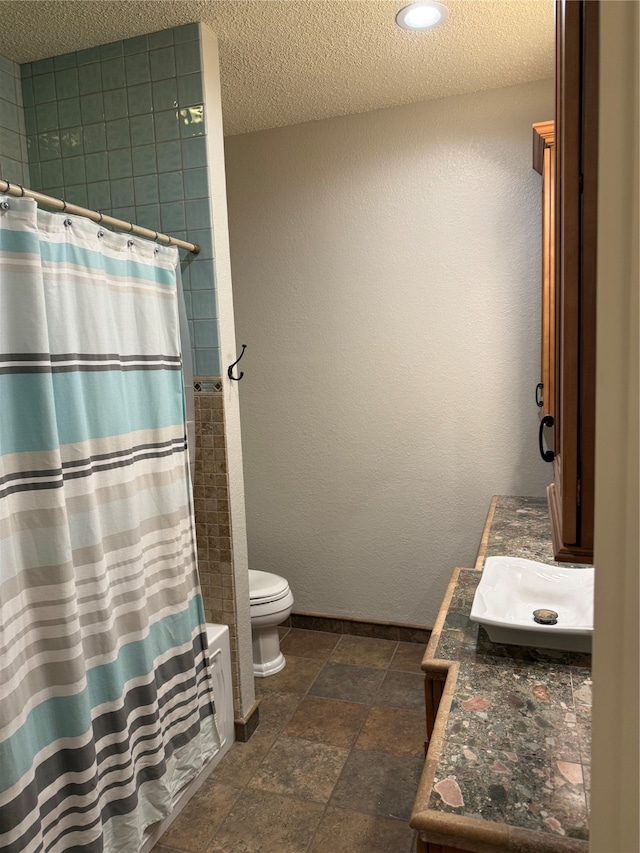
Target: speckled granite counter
508 760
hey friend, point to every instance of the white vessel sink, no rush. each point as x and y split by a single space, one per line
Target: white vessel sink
512 588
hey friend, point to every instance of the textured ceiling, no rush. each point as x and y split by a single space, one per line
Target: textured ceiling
288 62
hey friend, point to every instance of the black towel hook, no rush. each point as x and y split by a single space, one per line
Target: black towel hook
231 366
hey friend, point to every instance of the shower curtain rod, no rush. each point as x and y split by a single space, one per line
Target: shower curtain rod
60 204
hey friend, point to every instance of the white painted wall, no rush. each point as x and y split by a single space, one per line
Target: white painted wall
386 279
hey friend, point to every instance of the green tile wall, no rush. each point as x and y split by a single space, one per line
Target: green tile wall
121 128
14 164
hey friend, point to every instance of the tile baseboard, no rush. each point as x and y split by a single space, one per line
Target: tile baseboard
359 627
245 727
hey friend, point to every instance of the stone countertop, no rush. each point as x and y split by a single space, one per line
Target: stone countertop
508 760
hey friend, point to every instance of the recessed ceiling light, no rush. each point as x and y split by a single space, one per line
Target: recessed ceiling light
422 16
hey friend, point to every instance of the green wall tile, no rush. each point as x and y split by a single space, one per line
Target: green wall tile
207 362
169 156
18 92
6 81
33 148
203 303
42 66
195 183
26 70
111 50
141 128
90 78
115 104
192 121
205 333
187 59
76 194
172 215
97 167
163 38
136 44
67 83
48 146
166 125
8 114
139 99
194 152
30 123
162 63
203 238
99 195
95 137
44 88
66 60
127 214
51 173
27 90
71 142
188 32
35 174
197 213
148 216
73 170
113 76
120 163
118 134
47 116
171 188
144 160
122 192
165 94
201 272
137 68
92 108
90 54
146 189
69 113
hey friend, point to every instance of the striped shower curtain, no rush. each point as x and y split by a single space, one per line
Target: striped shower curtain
106 708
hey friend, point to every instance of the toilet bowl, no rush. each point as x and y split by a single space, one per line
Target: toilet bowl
271 601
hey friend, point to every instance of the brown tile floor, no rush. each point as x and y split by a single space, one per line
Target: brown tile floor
334 764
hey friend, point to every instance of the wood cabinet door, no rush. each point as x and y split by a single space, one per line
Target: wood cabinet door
571 494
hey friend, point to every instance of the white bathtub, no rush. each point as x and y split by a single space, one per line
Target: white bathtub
220 661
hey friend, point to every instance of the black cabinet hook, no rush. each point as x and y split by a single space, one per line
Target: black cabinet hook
230 368
547 455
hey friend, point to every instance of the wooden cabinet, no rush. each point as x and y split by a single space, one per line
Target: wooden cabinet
569 279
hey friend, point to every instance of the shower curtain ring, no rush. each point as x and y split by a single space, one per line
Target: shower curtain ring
101 218
64 206
131 227
21 190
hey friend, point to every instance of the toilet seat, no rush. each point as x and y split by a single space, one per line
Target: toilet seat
265 588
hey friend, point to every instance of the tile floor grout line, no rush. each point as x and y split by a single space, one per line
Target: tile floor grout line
245 790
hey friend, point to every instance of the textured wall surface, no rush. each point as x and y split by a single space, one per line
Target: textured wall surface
386 279
14 161
121 128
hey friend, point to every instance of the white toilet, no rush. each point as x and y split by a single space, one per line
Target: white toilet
271 601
